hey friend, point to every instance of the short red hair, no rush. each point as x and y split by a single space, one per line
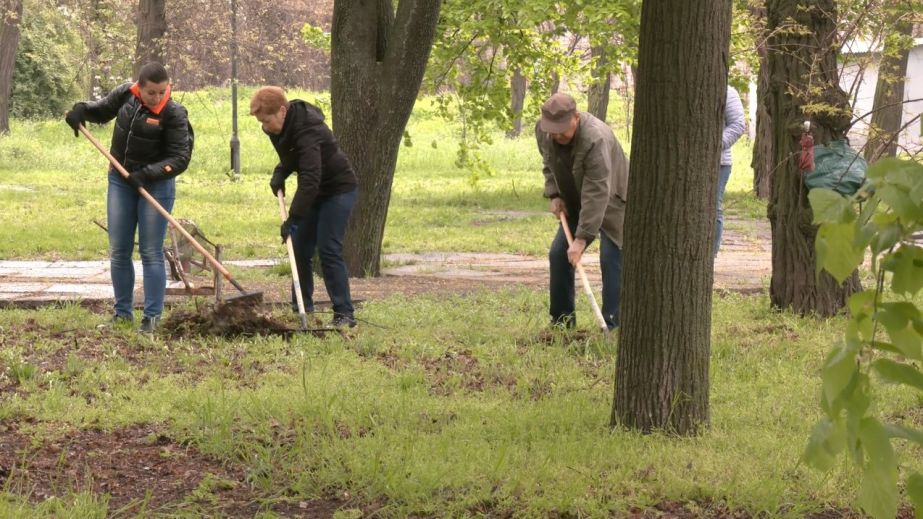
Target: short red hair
268 100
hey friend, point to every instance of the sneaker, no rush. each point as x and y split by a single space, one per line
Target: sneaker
115 321
343 321
148 325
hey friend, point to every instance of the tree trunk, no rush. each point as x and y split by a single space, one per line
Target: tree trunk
10 18
661 380
598 95
888 107
377 60
517 101
803 73
762 145
152 26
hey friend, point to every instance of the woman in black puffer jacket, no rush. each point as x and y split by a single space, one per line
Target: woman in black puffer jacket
152 138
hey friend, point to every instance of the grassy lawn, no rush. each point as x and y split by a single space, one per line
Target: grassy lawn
427 417
418 412
52 186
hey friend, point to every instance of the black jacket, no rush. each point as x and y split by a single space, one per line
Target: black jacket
307 146
158 140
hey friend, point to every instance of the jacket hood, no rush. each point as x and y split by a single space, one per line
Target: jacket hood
302 113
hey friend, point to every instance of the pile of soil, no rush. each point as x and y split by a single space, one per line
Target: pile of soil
225 320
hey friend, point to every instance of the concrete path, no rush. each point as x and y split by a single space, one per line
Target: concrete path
744 264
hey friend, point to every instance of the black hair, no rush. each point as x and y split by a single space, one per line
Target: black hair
153 72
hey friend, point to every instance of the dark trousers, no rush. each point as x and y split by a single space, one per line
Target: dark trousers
562 280
323 230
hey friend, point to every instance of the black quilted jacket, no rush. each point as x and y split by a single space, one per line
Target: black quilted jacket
159 140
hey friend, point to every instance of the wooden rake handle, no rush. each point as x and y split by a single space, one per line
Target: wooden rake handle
586 282
156 205
291 259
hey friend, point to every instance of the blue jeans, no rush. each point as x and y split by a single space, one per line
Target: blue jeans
126 211
562 279
725 174
323 230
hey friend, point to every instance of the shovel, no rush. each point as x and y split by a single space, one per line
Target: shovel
291 259
246 298
586 282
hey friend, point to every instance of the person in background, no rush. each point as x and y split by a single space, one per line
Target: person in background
586 178
734 127
324 199
153 140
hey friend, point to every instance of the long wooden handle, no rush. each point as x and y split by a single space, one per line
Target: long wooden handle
586 282
291 259
156 205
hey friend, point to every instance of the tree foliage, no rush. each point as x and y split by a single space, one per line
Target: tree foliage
48 61
483 44
883 342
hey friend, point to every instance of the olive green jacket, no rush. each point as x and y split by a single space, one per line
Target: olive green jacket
599 170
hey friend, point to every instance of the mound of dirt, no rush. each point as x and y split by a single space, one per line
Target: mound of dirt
223 321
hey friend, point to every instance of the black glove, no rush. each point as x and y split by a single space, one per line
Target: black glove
76 116
288 227
277 184
137 178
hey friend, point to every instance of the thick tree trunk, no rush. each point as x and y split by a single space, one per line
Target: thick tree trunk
10 17
598 96
762 145
803 71
152 26
661 380
888 107
377 61
517 101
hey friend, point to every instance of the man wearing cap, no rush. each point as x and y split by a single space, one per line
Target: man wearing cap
586 178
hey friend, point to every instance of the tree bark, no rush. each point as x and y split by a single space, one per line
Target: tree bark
762 145
10 18
377 60
661 380
517 101
152 26
803 73
888 107
598 95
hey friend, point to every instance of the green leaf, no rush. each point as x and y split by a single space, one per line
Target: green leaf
862 303
878 491
838 371
885 238
900 202
899 320
906 433
830 207
907 265
886 346
898 373
914 491
827 440
836 251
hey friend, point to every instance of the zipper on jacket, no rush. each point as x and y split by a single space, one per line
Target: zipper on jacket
131 129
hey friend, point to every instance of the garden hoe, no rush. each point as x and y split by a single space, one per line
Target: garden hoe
291 259
586 282
246 298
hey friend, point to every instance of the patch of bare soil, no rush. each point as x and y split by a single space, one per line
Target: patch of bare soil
226 320
142 470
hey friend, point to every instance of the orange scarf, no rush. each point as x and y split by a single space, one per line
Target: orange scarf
163 102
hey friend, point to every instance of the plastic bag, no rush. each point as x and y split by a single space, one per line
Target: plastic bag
837 167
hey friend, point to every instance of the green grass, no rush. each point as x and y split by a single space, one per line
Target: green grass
52 186
433 416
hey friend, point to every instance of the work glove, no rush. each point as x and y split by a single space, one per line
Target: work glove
76 117
288 227
137 178
277 184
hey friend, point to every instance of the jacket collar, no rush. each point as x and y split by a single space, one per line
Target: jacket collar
163 102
